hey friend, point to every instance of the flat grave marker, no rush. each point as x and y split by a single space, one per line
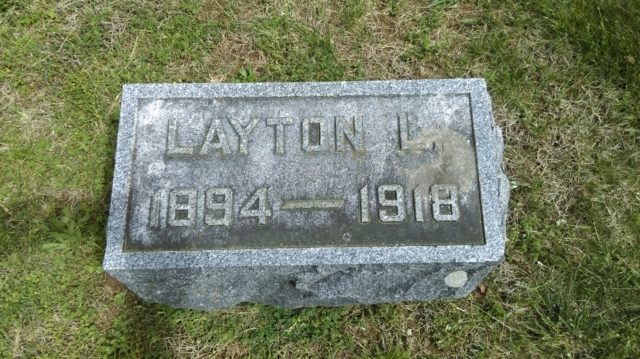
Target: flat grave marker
301 194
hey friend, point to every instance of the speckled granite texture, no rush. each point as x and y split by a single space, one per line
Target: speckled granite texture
341 259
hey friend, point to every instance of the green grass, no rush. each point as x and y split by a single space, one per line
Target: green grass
565 81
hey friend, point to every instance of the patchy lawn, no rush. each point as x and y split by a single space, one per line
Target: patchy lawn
565 82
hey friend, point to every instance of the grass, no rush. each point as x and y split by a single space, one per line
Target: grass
565 82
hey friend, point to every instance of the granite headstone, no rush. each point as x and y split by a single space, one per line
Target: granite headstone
303 194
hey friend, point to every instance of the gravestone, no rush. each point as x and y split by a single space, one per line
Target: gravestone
303 194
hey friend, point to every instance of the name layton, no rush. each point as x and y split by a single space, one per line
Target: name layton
319 134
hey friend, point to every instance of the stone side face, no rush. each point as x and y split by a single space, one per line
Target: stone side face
304 286
332 274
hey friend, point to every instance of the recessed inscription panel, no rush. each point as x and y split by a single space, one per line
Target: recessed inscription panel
226 173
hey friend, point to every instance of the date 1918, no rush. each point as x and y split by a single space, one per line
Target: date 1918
177 207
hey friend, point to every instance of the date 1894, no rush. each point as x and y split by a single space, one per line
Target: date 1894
178 207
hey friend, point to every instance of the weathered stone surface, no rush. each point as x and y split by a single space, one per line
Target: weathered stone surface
306 194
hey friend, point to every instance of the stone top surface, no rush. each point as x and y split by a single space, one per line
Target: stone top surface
299 173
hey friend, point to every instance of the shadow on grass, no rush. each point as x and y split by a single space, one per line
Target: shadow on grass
141 330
